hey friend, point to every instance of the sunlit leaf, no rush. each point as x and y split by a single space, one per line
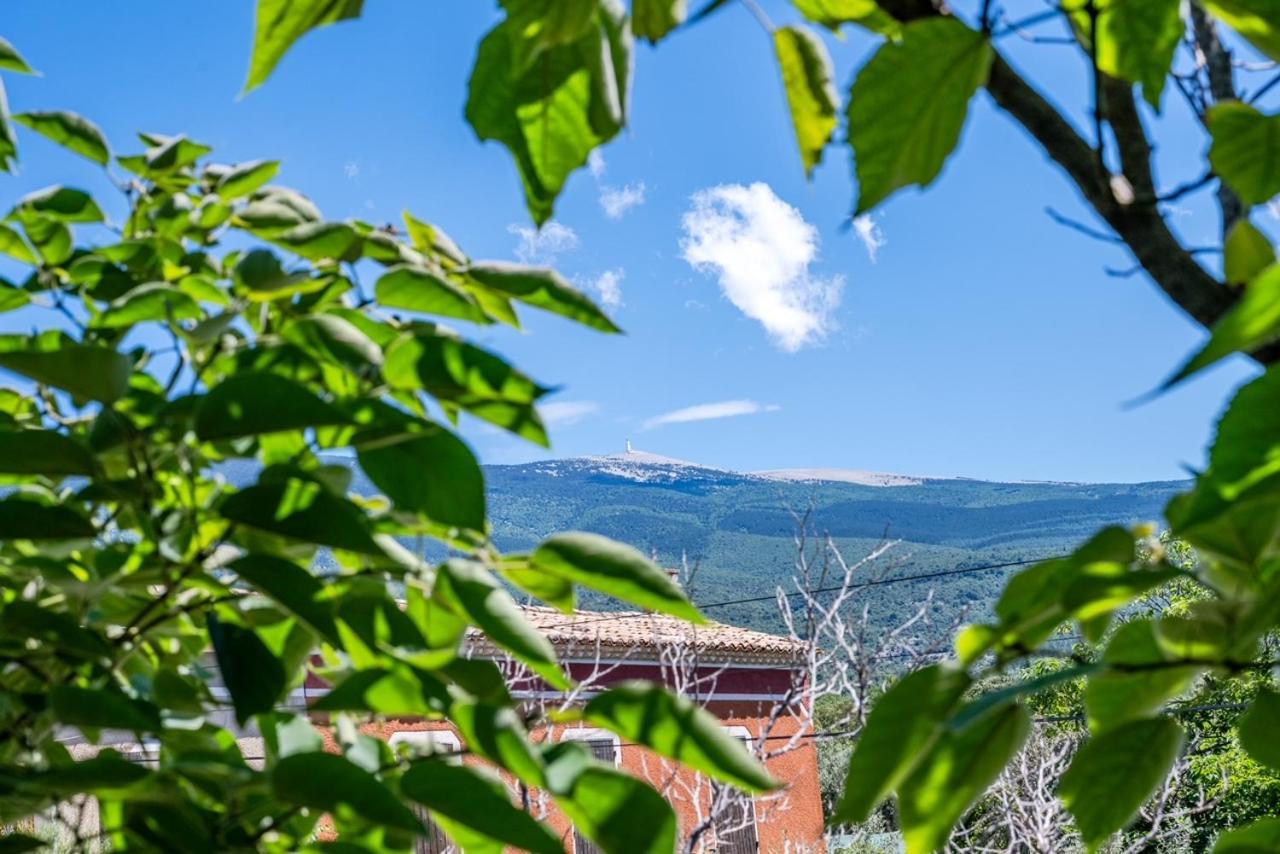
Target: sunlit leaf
653 19
479 801
325 781
648 714
71 131
904 724
1114 773
956 772
616 569
1256 20
1246 150
1247 253
811 93
909 104
280 23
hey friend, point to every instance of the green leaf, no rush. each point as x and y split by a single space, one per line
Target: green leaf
1136 41
51 237
274 209
1132 684
555 590
553 114
1248 252
811 93
1234 510
293 587
431 239
1258 729
93 373
471 591
317 241
541 288
426 469
1256 20
615 569
106 772
955 773
153 301
262 274
909 104
11 60
8 139
43 452
280 23
65 204
903 725
647 714
12 244
102 708
334 338
1261 837
23 519
1251 323
471 797
653 19
421 290
12 298
255 403
302 510
26 620
468 377
1114 773
70 131
243 178
254 677
1246 150
832 14
616 811
396 693
325 781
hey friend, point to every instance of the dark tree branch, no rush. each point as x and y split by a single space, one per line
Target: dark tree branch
1222 86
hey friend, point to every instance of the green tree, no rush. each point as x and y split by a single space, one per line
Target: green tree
543 86
206 321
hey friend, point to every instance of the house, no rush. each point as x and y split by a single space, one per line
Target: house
753 682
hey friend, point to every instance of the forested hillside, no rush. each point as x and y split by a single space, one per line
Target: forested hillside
739 529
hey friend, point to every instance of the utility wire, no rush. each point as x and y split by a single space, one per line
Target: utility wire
875 582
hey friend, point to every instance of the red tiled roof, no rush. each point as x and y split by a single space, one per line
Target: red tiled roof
615 632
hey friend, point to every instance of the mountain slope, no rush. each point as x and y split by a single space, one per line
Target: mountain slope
739 529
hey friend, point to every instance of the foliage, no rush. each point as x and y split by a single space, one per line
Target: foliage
551 83
220 321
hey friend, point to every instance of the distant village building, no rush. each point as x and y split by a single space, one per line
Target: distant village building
752 681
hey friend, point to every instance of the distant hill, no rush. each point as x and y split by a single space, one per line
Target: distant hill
739 528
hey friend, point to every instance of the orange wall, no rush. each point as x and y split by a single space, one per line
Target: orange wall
790 820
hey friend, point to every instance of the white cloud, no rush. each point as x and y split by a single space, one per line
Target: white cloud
868 231
563 413
542 245
608 286
351 169
760 248
616 201
709 412
595 162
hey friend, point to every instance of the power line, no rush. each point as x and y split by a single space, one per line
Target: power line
875 582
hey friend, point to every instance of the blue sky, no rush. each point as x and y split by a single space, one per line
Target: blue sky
980 340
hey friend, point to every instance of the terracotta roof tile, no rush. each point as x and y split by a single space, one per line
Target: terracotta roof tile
630 630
